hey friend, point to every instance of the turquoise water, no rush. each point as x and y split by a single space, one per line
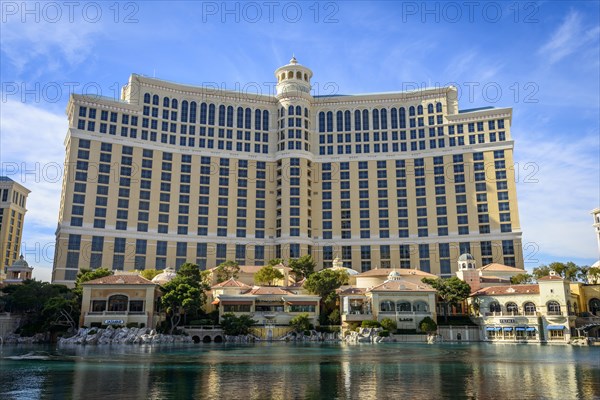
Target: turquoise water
301 371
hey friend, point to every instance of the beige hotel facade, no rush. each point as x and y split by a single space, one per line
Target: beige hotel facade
173 173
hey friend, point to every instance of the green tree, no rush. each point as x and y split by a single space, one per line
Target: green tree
267 275
275 261
389 325
300 322
227 270
150 273
334 317
451 291
521 279
41 304
568 270
234 326
593 274
428 325
85 275
184 295
302 267
324 284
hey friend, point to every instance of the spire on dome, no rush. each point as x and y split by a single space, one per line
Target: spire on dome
293 60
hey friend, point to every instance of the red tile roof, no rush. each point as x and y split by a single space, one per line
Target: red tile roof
231 282
551 278
401 286
401 271
508 290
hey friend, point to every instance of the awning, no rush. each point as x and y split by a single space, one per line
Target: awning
508 328
490 328
556 327
236 302
519 328
530 329
302 303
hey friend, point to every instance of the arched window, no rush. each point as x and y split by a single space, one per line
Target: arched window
430 108
411 111
339 121
240 117
495 307
347 117
117 302
155 99
420 110
321 121
174 103
383 114
166 102
299 75
306 77
184 111
305 112
403 306
257 120
248 118
387 306
291 110
290 75
329 121
512 308
193 112
402 113
394 116
365 120
230 116
553 308
529 308
594 306
282 77
147 98
299 111
265 120
282 112
375 119
211 114
569 308
420 306
221 115
203 113
438 107
357 123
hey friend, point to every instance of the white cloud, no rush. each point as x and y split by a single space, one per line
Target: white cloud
32 153
570 36
558 185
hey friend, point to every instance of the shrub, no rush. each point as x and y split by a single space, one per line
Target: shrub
370 324
428 325
334 318
300 322
389 324
383 333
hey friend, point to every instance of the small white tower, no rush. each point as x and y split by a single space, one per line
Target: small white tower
467 271
596 225
293 80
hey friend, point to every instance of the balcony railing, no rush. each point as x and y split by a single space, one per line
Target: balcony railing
116 313
510 313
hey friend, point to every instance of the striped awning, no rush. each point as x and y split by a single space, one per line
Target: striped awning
556 327
520 328
494 329
530 329
508 328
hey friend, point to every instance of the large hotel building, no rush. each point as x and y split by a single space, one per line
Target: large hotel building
173 173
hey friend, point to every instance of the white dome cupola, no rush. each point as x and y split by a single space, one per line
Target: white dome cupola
293 78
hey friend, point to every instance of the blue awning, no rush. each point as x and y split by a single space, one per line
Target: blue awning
520 328
556 327
493 329
530 329
508 328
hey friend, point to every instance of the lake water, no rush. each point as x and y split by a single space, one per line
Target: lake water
301 371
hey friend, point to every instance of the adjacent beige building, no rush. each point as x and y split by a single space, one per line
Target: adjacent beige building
174 173
13 199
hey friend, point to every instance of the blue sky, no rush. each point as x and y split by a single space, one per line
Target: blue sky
542 59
